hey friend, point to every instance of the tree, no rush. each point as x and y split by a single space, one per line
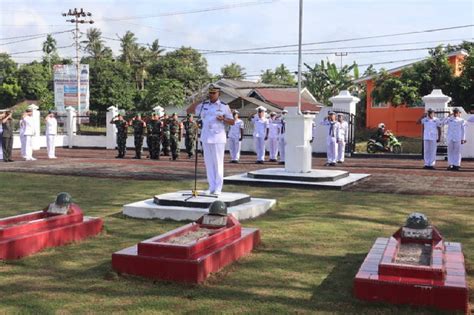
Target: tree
142 60
128 44
10 92
185 65
392 90
463 86
8 67
95 46
49 47
324 80
165 93
155 50
110 85
281 76
34 79
233 71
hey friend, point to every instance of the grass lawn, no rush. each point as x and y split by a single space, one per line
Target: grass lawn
313 244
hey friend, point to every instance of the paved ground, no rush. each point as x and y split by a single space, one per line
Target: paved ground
399 176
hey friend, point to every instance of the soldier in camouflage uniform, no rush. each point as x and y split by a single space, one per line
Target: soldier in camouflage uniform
154 129
122 126
176 134
148 135
138 132
165 140
191 128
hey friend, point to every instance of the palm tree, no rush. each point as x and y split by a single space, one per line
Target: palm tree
129 47
95 44
155 50
49 47
141 62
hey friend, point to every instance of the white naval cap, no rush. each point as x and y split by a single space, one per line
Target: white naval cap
261 109
235 111
284 111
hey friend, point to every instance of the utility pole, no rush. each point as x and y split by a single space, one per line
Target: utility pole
341 54
82 17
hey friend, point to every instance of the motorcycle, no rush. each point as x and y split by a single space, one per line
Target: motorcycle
393 145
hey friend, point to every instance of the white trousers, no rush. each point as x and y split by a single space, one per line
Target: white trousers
28 147
50 145
214 162
260 148
429 152
341 148
273 148
234 148
331 149
23 145
281 144
454 153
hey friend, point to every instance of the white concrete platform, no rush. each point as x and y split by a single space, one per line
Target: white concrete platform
183 199
314 175
336 183
147 209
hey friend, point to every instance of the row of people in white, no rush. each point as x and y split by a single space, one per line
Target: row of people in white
337 131
235 135
455 137
27 131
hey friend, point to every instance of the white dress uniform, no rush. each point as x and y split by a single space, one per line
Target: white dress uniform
274 130
29 133
456 134
1 132
234 139
51 132
260 126
430 137
22 138
281 139
331 140
213 139
342 132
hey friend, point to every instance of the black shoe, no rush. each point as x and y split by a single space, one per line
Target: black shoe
273 160
426 167
450 168
332 164
340 162
456 168
281 162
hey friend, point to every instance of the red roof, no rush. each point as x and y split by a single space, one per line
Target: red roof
282 98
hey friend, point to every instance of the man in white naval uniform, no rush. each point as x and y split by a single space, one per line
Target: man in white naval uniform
214 115
456 137
281 139
235 135
29 133
22 136
260 133
342 133
331 138
274 129
51 131
431 135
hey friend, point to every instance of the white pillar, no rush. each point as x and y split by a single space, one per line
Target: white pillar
345 102
111 133
159 110
70 124
298 133
436 100
36 125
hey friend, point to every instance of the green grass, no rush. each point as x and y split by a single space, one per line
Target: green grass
313 244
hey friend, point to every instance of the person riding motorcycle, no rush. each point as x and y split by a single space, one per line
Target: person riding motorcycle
381 135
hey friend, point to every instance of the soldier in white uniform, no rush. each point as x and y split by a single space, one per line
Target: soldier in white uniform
331 142
29 133
431 135
281 139
342 133
214 115
274 130
456 137
22 136
260 133
51 132
235 135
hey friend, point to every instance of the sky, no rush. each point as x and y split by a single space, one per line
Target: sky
247 24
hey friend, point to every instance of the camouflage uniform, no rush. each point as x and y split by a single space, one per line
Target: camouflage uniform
154 130
122 127
138 132
175 136
191 128
166 138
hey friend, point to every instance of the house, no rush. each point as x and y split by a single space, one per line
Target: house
401 119
246 96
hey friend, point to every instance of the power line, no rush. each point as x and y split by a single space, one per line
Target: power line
216 8
37 50
32 38
34 35
360 38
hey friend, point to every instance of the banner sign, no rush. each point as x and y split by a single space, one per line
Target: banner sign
65 88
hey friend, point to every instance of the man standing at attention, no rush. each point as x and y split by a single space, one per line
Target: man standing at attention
51 131
191 129
122 127
214 115
431 135
7 136
29 133
341 138
274 130
260 133
138 126
456 137
235 135
331 140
